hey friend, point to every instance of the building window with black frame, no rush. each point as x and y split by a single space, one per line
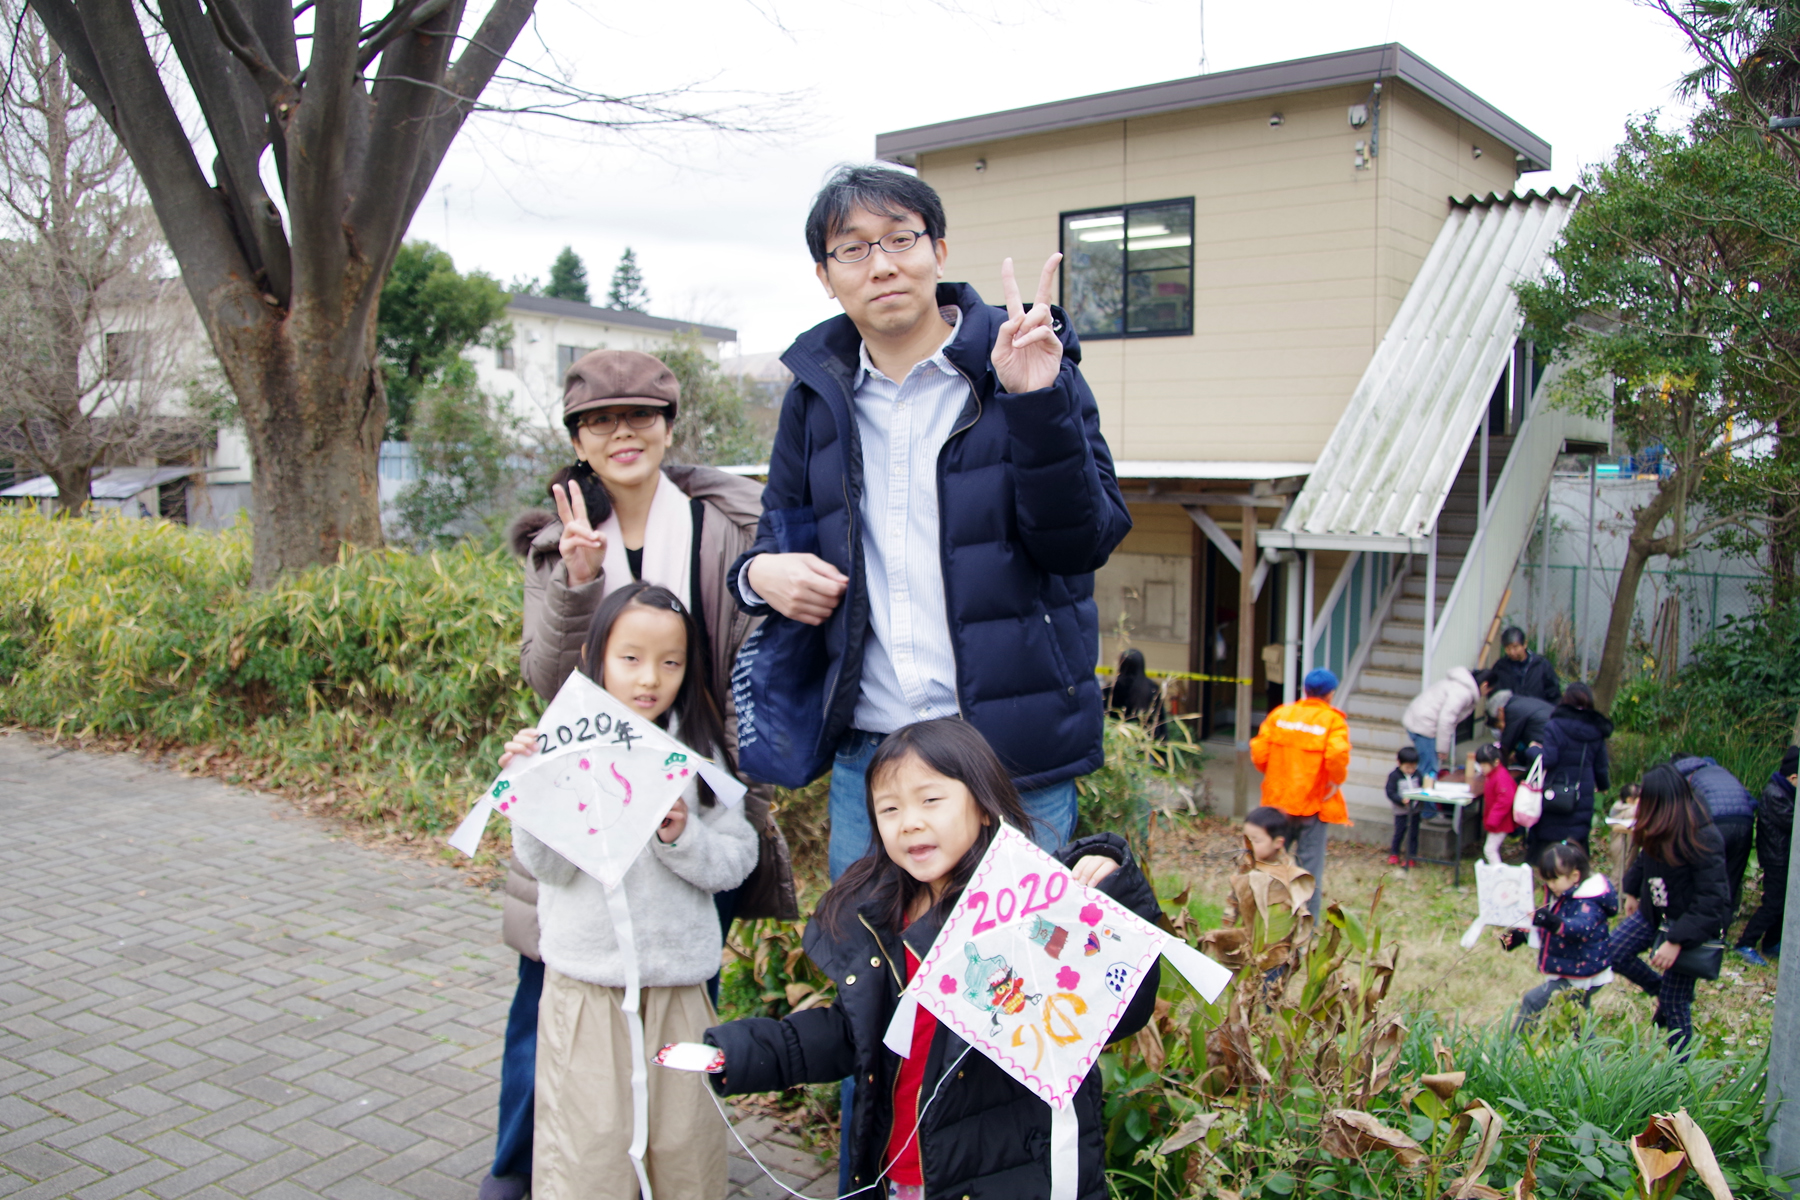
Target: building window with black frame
1128 271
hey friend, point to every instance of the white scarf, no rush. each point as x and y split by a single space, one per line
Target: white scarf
668 544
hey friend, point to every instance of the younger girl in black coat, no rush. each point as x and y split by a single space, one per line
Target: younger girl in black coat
1683 896
944 1122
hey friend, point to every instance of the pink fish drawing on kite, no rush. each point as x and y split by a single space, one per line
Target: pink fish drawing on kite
601 798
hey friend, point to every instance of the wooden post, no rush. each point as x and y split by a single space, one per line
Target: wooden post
1246 667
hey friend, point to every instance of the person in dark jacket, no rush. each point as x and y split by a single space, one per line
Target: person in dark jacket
1682 898
1575 768
1574 925
944 1119
1134 696
1519 722
1733 810
1521 672
949 455
1774 840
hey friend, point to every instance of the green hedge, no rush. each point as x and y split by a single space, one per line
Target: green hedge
387 681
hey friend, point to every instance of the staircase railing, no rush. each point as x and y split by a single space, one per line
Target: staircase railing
1360 597
1487 568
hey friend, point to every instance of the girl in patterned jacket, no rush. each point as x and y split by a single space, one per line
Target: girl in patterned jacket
1573 930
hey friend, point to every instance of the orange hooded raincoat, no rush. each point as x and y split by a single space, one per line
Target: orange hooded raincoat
1303 751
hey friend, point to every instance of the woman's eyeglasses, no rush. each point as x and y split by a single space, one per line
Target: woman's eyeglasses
605 420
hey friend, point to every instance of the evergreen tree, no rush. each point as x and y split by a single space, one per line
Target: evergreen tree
430 316
568 278
628 291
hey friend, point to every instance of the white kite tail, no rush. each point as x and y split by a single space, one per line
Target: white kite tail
620 911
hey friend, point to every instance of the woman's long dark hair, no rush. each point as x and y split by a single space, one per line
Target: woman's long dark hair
1578 696
702 726
1670 818
955 750
1133 692
593 490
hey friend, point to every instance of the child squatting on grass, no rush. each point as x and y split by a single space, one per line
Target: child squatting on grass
1573 927
645 649
1267 877
936 795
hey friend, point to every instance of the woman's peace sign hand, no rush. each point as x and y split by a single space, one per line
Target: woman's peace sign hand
583 548
1027 354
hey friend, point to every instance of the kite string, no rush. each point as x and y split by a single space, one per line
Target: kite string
942 1079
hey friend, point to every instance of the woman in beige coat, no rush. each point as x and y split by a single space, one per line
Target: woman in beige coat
623 513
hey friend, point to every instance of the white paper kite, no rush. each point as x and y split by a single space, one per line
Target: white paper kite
601 782
1035 970
1506 898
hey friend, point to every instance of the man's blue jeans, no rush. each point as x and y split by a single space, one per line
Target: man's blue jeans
1053 809
518 1075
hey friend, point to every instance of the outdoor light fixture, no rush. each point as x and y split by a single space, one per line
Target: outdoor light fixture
1276 118
980 165
1359 115
1475 150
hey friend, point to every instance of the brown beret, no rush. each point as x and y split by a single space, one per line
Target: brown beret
604 377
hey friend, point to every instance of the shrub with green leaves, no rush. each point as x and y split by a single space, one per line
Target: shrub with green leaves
388 678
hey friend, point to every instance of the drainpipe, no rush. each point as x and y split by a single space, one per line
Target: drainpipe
1587 575
1290 624
1543 588
1430 608
1306 618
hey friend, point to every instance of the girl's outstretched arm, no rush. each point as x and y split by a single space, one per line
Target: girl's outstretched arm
766 1055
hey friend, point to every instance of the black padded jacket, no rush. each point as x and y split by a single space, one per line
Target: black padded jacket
983 1135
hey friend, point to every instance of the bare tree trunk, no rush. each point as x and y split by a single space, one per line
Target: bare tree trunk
1639 548
314 409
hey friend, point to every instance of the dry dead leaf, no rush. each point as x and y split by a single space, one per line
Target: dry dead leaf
1149 1043
1191 1131
1446 1085
1465 1188
1670 1145
1347 1133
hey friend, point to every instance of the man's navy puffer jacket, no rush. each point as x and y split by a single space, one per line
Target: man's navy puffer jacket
984 1134
1030 509
1725 797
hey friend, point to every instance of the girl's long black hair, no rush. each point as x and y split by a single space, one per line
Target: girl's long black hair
1669 818
954 749
702 726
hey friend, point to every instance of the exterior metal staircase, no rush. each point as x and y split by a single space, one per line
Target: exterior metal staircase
1393 672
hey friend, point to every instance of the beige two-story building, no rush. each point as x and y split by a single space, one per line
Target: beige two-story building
1292 287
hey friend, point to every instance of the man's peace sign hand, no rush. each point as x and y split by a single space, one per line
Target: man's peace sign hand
1027 354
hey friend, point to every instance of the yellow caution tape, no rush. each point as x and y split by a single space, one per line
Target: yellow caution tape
1189 675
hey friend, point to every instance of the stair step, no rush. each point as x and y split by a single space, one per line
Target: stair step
1376 705
1396 632
1397 658
1388 681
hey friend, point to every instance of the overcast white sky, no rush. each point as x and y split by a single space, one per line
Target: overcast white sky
716 221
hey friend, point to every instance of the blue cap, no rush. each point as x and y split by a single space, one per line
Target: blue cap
1320 682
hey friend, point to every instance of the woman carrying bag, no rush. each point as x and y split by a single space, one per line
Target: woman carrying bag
1575 768
1678 899
623 514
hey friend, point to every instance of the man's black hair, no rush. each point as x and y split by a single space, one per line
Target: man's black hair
879 190
1407 754
1483 676
1512 635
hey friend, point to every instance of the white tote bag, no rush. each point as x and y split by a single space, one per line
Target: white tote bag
1528 800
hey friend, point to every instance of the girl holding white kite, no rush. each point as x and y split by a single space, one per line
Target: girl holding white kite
936 795
646 650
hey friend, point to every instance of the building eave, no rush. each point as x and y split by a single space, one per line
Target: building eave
1364 66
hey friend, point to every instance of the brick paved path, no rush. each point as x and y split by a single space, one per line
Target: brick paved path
204 994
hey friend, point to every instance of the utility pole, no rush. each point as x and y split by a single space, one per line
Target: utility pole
1240 789
1783 1157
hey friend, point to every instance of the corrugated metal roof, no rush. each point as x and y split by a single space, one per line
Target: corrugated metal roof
121 483
1394 456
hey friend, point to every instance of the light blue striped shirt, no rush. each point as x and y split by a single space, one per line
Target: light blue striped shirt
909 666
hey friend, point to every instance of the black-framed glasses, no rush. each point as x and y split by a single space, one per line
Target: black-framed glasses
606 420
897 242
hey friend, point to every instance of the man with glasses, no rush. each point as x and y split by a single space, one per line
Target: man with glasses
950 452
